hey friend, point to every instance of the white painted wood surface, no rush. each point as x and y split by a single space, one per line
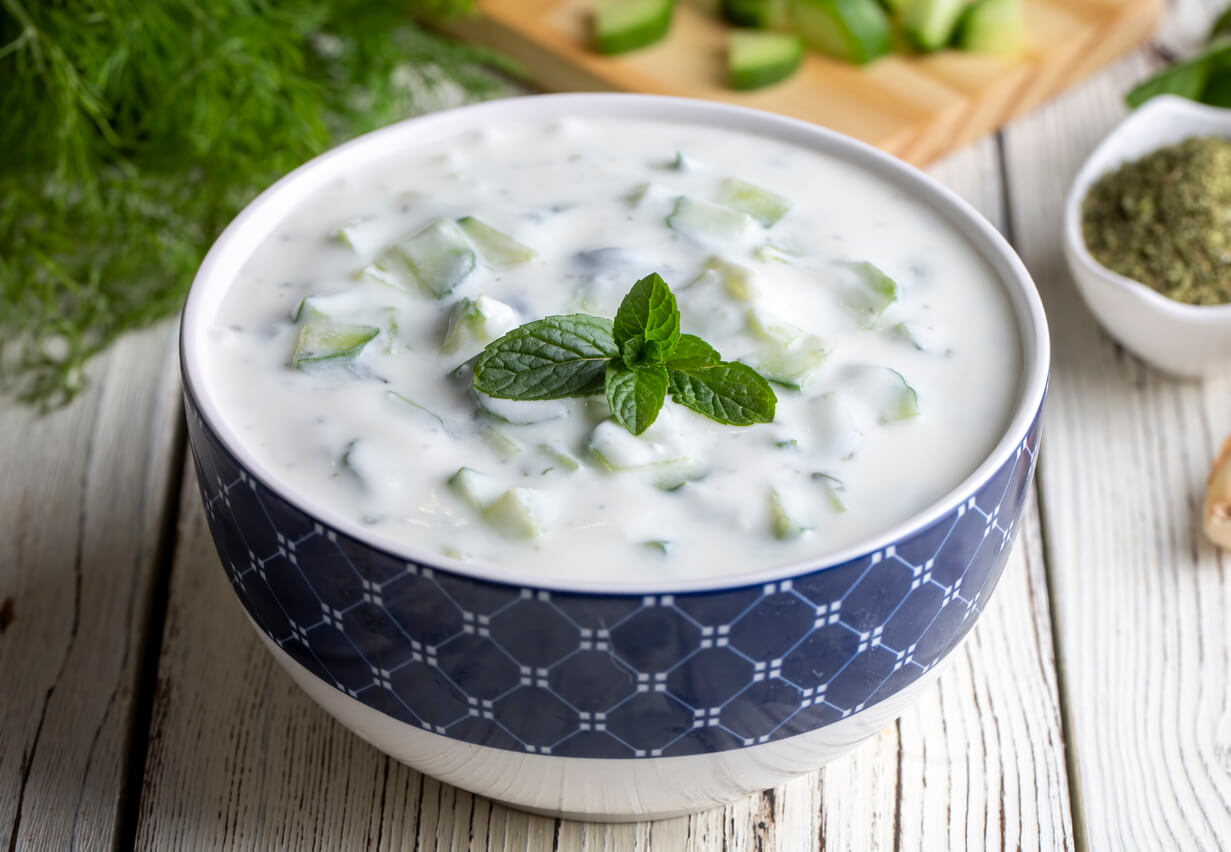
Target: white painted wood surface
1141 600
226 753
83 499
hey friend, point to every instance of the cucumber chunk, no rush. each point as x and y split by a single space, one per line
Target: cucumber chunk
760 14
478 490
684 163
930 24
518 513
874 291
618 449
425 415
705 221
852 30
362 236
788 355
562 458
474 323
661 546
762 205
884 391
323 343
495 247
623 25
384 275
784 517
759 59
522 412
832 488
439 257
502 444
770 253
993 26
713 303
839 436
327 306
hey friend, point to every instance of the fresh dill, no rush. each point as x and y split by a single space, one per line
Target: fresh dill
133 132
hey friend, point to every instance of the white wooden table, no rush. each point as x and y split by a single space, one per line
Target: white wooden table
1090 708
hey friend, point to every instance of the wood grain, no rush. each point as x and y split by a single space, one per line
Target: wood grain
916 107
241 759
1140 600
82 502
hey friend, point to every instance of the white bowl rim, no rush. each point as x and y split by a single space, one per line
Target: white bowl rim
260 216
1157 111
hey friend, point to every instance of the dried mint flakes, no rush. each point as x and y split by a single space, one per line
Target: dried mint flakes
1165 220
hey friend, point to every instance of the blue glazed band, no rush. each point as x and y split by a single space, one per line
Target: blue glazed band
605 676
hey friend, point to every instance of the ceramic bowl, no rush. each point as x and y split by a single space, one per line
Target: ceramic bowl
593 700
1186 340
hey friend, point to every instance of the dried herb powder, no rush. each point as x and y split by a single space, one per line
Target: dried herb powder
1165 220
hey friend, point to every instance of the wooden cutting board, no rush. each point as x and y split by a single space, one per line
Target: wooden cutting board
916 107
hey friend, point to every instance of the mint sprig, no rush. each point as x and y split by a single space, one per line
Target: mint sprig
636 360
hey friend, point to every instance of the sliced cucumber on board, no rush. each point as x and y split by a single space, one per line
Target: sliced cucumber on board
759 14
623 25
993 26
853 30
930 24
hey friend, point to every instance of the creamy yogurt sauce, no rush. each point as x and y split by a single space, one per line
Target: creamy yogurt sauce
905 382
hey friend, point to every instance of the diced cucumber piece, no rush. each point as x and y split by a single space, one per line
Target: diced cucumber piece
383 275
760 14
619 449
712 304
993 26
684 163
391 331
322 342
439 257
478 489
833 488
362 236
759 59
788 444
327 306
648 193
762 205
504 446
662 547
930 24
784 519
839 436
425 415
705 221
495 247
623 25
562 458
770 253
918 337
788 355
522 412
874 291
886 391
518 513
673 476
474 323
852 30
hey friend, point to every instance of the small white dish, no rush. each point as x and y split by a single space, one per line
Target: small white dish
1187 340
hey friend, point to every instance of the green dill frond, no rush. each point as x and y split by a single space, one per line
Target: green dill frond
133 133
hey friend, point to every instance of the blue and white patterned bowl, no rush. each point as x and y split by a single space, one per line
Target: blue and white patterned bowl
606 701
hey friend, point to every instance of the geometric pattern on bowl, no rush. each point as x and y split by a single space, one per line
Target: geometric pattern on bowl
604 675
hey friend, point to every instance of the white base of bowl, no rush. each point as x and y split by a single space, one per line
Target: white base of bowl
614 790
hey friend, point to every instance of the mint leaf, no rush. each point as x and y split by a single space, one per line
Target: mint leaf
692 352
635 394
649 313
551 358
734 394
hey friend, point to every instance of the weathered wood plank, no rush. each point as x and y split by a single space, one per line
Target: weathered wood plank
83 500
1139 598
239 758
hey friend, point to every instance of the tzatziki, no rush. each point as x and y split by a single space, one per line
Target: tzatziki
342 353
